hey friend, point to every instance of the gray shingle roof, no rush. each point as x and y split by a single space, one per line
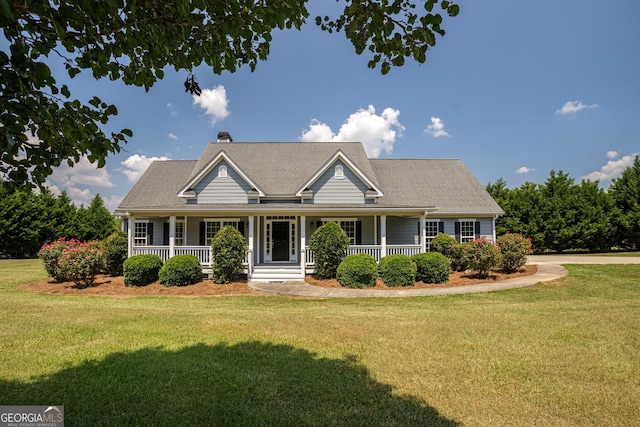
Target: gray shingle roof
280 168
444 183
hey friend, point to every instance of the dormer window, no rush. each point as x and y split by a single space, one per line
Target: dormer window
339 172
222 171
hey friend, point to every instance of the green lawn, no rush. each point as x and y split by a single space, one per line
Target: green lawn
563 353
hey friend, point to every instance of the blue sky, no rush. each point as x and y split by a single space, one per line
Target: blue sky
514 90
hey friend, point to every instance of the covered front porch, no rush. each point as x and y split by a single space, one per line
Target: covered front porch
274 242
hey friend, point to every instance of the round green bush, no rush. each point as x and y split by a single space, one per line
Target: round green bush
358 271
115 251
140 270
228 249
329 244
444 244
181 270
433 267
398 270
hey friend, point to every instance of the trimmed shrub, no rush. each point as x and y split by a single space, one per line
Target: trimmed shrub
482 256
358 271
50 254
181 270
459 257
398 270
114 249
228 249
329 244
140 270
81 264
514 249
444 244
432 267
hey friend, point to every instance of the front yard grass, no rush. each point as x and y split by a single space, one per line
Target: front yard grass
560 353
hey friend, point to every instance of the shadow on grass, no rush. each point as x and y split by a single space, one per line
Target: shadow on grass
249 383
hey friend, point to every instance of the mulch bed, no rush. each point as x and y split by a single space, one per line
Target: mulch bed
114 286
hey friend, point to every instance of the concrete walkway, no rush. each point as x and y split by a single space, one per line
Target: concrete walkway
549 268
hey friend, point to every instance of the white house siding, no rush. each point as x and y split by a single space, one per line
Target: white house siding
328 189
229 189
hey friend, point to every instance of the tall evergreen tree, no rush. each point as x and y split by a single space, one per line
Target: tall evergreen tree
625 192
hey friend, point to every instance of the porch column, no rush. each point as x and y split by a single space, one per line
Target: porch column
493 226
423 234
303 244
172 236
383 236
251 256
130 232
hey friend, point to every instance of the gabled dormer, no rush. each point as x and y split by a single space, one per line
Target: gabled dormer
340 181
221 181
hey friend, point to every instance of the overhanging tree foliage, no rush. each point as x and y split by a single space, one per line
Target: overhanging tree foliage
134 41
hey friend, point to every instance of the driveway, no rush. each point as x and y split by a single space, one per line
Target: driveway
582 259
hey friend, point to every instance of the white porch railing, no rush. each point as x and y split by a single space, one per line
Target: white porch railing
203 253
374 250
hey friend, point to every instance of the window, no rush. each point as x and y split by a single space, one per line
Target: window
347 224
222 171
140 233
431 229
467 231
179 236
212 226
339 172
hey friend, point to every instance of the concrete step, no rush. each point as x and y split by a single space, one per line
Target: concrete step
276 273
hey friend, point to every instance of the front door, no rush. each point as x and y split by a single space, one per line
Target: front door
280 246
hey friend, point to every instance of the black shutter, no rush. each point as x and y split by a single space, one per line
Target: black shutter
477 229
358 232
457 229
165 233
241 227
441 227
202 233
318 224
149 233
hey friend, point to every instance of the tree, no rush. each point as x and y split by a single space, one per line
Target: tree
134 41
625 192
95 222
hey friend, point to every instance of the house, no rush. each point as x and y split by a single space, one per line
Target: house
277 194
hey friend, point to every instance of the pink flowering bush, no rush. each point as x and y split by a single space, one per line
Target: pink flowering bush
81 264
72 261
482 256
50 254
514 248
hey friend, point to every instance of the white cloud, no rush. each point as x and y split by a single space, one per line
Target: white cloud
612 169
172 108
612 154
524 169
214 101
82 173
574 106
136 165
112 202
436 128
172 136
378 133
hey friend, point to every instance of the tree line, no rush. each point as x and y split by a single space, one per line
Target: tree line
561 215
28 220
